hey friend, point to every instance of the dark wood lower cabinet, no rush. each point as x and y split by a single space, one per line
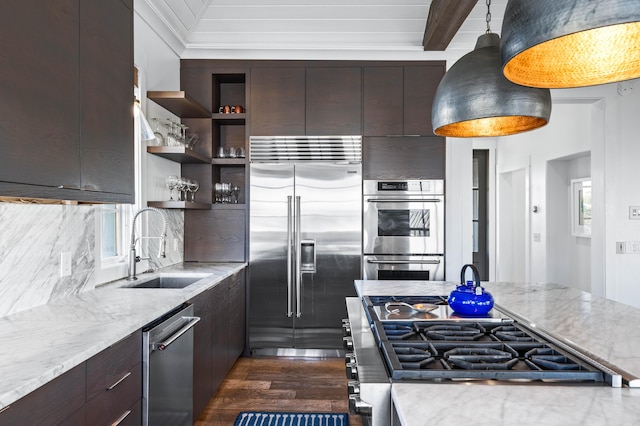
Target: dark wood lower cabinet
219 337
104 390
50 404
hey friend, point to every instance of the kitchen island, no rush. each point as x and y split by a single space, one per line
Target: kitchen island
43 343
602 328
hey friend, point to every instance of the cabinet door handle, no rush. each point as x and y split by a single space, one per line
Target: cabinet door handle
121 418
119 381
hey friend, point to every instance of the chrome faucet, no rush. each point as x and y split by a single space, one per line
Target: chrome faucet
133 258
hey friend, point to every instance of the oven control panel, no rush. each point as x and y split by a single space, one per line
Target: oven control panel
390 187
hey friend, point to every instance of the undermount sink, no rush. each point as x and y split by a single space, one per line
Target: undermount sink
166 282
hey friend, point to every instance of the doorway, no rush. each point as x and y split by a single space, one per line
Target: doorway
480 213
513 218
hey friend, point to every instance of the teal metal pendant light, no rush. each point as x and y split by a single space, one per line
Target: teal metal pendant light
562 43
474 99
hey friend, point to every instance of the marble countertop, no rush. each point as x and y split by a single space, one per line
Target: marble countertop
41 344
600 327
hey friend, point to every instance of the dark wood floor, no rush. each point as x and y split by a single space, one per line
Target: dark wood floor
280 384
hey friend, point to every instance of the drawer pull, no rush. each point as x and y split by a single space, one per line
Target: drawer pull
122 417
119 381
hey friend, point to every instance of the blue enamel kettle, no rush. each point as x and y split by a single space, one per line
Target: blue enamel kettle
469 298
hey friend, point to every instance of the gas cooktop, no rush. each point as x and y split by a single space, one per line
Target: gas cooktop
443 346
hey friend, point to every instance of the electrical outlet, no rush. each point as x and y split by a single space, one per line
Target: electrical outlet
65 264
620 247
536 237
634 212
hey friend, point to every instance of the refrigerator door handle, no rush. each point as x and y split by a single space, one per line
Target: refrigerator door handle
289 255
298 273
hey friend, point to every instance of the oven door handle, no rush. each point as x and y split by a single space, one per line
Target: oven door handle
404 262
403 200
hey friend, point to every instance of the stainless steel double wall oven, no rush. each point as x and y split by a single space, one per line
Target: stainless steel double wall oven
403 230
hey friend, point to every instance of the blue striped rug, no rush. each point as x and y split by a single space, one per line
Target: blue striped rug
254 418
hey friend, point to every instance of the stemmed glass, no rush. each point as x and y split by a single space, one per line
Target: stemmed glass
172 137
195 185
156 131
235 192
172 183
182 189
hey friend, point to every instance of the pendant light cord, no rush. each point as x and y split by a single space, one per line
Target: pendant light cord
488 16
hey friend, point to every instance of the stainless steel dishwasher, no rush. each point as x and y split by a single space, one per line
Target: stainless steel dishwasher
167 394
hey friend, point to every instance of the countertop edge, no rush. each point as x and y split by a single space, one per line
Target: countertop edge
45 316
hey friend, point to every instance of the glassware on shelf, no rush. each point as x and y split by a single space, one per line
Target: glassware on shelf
172 183
156 131
222 152
193 188
172 136
235 193
182 135
192 140
226 193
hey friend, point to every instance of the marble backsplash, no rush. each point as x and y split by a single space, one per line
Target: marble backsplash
32 236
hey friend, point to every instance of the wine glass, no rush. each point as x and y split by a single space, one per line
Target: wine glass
171 182
235 193
159 136
182 189
172 137
195 185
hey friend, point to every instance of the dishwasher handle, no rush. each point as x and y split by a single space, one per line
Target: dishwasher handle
190 322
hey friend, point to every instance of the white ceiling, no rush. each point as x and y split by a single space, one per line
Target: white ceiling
313 25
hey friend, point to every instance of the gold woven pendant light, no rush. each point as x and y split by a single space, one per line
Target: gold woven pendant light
562 43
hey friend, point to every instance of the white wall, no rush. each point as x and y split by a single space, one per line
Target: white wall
600 121
159 69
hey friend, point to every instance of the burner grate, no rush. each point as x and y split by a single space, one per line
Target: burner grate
486 351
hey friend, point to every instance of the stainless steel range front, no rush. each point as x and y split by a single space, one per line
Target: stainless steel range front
403 230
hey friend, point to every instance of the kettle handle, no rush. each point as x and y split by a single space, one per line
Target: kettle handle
476 275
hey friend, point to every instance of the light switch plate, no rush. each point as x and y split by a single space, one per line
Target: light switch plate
634 212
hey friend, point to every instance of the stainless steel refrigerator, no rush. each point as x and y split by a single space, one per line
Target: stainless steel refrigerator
305 241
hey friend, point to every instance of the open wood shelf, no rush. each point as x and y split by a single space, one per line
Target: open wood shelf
228 161
186 205
179 104
228 206
229 119
178 154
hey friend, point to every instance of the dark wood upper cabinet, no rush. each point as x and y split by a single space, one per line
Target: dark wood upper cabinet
383 101
420 84
277 101
66 95
403 157
333 101
398 100
39 93
106 83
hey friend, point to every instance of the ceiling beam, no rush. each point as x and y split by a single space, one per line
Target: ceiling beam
443 22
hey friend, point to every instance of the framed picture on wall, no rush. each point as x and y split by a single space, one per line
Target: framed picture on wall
581 207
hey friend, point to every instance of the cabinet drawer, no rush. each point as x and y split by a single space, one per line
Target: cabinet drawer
114 363
113 404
